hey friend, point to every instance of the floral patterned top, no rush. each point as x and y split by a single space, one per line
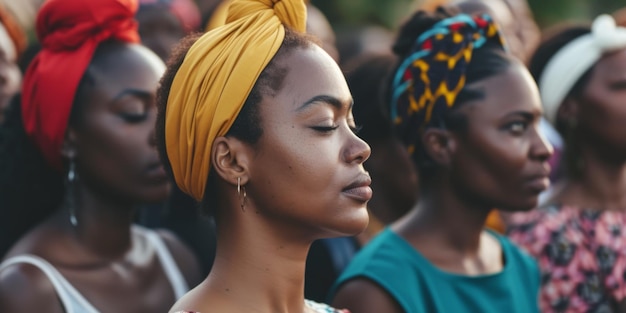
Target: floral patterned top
316 307
581 254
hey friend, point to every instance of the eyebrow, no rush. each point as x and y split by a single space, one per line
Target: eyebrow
133 92
326 99
525 114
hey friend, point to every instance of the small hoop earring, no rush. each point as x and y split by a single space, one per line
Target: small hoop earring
70 182
245 195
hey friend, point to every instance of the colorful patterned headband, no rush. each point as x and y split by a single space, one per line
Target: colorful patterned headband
428 81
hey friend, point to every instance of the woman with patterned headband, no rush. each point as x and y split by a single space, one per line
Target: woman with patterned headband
255 122
77 157
577 235
468 114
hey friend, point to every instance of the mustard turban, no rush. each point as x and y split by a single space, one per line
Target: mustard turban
215 79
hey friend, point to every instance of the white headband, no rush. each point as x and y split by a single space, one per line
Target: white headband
567 66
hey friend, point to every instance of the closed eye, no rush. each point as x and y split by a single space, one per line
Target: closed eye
325 129
133 118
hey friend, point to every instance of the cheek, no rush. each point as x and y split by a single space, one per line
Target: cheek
116 151
604 114
291 171
493 163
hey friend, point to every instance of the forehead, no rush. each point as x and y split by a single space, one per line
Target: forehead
612 66
312 72
127 67
510 91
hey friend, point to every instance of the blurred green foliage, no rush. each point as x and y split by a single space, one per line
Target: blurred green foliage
548 12
389 13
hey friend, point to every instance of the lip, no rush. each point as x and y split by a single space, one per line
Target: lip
156 172
539 184
359 189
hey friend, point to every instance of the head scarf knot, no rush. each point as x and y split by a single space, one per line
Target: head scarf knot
70 31
215 79
574 59
429 79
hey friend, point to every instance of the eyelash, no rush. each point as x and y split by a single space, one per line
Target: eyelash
134 118
325 129
328 129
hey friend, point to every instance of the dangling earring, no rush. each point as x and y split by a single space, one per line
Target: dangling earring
239 191
70 201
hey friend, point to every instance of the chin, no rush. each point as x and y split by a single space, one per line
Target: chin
520 207
156 194
349 225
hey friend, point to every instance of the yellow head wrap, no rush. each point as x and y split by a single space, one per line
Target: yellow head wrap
215 79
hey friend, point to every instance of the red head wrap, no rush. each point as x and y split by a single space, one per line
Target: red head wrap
69 32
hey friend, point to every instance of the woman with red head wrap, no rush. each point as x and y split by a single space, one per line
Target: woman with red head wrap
78 157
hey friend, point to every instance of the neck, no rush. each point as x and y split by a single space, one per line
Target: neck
601 185
103 226
257 267
444 219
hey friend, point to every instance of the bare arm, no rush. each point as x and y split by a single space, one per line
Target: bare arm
25 288
361 295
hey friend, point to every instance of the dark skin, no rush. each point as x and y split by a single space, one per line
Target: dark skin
113 267
499 160
304 180
599 114
159 29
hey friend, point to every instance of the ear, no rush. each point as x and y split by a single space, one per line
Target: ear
440 145
68 150
231 159
568 111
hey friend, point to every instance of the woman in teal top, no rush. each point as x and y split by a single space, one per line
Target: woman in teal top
468 113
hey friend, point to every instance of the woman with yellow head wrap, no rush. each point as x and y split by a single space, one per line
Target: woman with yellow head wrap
255 122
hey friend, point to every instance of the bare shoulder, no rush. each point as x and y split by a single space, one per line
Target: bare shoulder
361 295
25 288
184 257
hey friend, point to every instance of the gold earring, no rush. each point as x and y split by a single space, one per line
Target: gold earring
243 199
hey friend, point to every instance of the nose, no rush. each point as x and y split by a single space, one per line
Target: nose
356 150
541 149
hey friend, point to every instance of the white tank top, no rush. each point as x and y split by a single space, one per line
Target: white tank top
74 302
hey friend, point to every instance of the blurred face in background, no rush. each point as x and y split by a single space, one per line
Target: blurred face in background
159 29
10 75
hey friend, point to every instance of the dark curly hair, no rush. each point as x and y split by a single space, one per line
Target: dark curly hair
247 125
488 60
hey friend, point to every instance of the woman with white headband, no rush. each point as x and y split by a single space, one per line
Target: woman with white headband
577 235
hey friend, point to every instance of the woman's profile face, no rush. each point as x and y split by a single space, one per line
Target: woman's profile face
500 158
308 163
114 132
602 106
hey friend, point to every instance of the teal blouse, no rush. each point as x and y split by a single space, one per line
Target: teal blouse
420 287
